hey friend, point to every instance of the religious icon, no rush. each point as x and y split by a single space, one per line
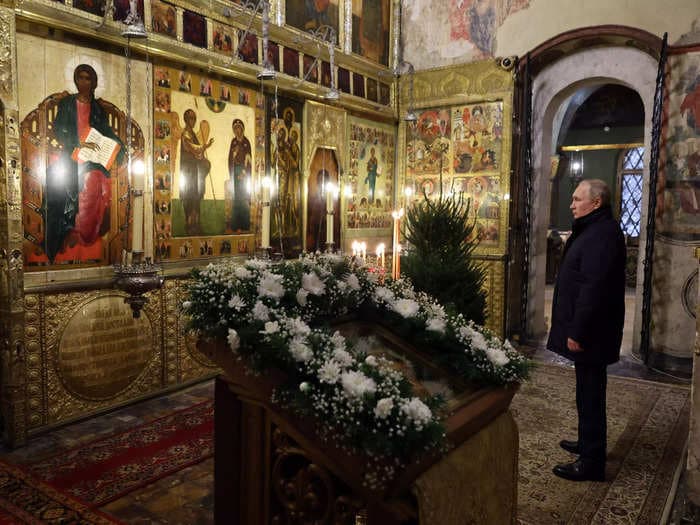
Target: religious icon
194 169
78 190
239 168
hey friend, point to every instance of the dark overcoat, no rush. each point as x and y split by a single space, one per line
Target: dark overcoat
589 294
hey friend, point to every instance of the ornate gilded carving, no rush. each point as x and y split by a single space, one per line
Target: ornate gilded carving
495 297
49 315
467 82
183 361
325 128
305 491
7 19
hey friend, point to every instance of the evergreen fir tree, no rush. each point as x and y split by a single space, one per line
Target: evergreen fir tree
441 238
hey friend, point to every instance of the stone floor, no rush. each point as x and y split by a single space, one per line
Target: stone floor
186 498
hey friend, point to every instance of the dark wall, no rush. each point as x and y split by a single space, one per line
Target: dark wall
597 164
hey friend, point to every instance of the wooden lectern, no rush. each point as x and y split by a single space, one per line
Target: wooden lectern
272 467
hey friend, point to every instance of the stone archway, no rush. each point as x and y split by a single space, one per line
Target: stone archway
552 87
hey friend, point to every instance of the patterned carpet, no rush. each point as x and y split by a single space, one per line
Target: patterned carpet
107 468
647 430
24 499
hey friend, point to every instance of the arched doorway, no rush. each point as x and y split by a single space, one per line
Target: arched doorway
554 84
600 136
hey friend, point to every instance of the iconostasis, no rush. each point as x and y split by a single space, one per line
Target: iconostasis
459 146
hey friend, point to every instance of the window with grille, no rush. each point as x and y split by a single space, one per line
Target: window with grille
631 181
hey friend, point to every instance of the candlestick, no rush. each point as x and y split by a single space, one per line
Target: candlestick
265 236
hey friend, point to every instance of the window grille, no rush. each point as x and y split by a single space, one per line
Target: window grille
631 182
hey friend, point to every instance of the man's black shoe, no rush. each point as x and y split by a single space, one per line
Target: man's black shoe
581 471
570 446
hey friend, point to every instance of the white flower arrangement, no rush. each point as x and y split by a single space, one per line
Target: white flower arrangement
272 316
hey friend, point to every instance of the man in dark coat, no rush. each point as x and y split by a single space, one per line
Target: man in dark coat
588 314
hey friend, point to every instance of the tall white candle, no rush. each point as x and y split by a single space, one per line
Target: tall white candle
137 173
265 239
329 213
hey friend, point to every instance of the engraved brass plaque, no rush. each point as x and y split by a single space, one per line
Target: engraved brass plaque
103 349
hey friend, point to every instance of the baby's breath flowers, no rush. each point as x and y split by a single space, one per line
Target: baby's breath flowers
276 316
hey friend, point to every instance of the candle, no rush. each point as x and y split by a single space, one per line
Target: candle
265 236
363 250
137 169
395 267
380 255
329 214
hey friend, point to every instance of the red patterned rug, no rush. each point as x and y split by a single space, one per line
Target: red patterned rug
105 469
24 499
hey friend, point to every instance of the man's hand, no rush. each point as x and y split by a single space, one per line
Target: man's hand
573 346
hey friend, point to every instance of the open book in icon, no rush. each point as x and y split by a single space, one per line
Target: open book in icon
105 153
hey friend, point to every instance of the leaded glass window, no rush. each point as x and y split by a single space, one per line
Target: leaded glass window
631 181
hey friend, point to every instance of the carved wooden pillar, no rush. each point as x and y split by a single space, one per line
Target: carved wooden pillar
12 366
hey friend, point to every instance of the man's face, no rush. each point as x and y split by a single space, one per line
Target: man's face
83 82
581 202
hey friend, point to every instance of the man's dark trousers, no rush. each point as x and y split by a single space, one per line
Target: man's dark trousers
591 383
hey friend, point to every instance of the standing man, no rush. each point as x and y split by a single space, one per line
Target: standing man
588 314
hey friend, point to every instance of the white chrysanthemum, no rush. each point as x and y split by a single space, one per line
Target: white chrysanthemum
236 302
342 357
357 384
352 281
436 324
187 305
437 310
297 327
304 387
271 327
383 293
243 273
261 312
371 360
271 286
329 372
497 356
372 277
338 340
301 297
384 407
300 351
417 411
258 264
405 307
234 342
313 283
342 285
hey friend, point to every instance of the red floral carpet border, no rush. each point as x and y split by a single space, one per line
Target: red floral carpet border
24 499
107 468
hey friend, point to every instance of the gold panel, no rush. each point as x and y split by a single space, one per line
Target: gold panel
51 315
183 361
494 284
103 348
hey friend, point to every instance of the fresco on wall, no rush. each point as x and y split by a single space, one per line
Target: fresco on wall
476 21
458 152
371 177
286 172
370 29
209 144
678 205
309 15
74 167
